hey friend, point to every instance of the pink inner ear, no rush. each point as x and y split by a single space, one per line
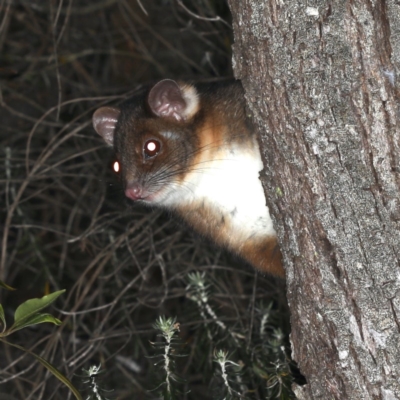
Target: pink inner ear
104 122
166 100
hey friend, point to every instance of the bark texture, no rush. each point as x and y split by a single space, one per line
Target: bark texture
320 81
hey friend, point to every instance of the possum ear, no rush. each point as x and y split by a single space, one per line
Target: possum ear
104 121
168 99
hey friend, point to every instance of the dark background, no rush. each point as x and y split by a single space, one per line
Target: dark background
67 225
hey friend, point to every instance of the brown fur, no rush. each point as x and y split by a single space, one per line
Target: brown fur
193 141
262 253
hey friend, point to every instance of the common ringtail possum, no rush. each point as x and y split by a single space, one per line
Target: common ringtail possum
190 149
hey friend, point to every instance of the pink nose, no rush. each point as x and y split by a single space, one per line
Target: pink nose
134 191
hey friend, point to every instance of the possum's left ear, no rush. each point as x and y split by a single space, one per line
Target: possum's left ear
168 99
104 122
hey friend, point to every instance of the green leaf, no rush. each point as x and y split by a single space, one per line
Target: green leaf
31 308
5 286
34 320
3 318
51 368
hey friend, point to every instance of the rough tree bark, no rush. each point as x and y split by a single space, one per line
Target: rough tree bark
320 81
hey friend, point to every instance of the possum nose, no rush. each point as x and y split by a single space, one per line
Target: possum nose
134 191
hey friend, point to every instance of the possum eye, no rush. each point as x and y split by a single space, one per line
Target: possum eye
116 167
151 148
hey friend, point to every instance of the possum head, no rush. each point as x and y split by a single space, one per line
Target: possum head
154 138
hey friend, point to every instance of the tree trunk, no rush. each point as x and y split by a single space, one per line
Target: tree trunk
321 86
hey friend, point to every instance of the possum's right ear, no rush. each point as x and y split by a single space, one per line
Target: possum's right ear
104 121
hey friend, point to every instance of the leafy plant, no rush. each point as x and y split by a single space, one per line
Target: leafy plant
168 351
221 357
264 366
97 393
28 314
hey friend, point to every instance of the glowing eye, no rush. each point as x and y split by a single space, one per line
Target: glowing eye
116 166
151 148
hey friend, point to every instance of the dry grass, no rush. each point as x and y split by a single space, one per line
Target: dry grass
66 224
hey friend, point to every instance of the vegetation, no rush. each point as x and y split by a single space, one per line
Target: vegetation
149 308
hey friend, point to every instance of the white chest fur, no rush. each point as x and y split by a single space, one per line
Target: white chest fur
230 184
